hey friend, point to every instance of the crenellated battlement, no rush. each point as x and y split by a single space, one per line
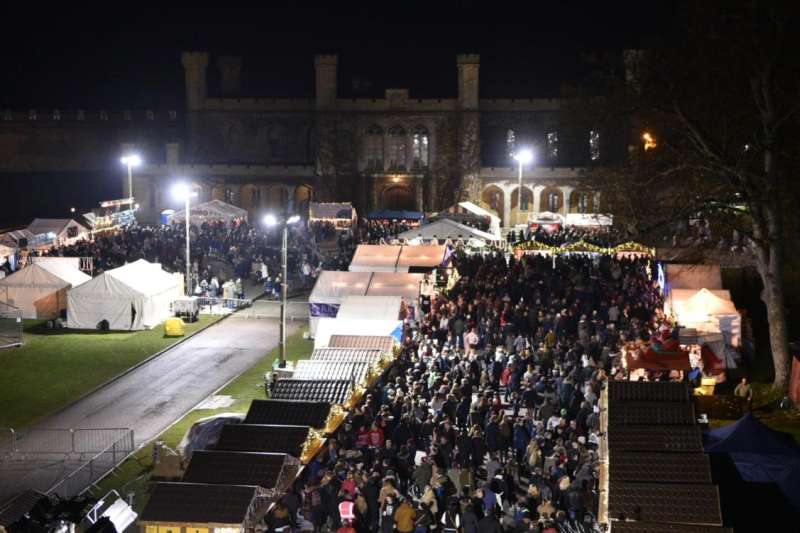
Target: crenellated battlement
89 116
468 59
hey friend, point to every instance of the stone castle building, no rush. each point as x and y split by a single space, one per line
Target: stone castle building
262 154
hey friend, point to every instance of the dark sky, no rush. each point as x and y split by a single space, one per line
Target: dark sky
78 57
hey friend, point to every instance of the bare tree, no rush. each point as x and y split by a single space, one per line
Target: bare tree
713 137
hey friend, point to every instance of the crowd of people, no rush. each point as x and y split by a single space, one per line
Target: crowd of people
488 421
372 231
605 237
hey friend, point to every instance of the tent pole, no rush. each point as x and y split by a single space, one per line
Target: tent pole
188 257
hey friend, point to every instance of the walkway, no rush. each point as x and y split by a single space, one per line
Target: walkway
152 397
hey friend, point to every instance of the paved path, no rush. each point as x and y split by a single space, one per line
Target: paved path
155 395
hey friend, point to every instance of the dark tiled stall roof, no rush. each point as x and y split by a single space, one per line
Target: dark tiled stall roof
671 503
236 468
382 343
312 390
263 438
651 413
647 391
660 467
288 412
198 503
655 438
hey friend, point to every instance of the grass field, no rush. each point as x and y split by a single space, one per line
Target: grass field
56 367
133 476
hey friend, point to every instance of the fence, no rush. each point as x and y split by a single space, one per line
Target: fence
221 306
59 441
95 468
10 322
272 309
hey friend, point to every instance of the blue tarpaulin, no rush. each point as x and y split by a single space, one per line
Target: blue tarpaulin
761 454
390 214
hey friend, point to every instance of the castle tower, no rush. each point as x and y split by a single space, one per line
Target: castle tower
195 65
230 69
325 66
468 70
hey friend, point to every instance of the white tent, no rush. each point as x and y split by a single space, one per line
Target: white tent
708 312
375 258
446 229
40 290
358 326
56 231
132 297
332 286
494 220
425 257
370 308
329 290
215 210
683 276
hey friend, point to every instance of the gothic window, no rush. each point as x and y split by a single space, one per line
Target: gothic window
552 145
583 203
126 115
103 115
594 145
277 143
230 196
173 115
397 148
373 148
419 148
33 115
56 114
81 114
511 143
552 202
525 198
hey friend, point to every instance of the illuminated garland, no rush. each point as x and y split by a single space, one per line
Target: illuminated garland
585 247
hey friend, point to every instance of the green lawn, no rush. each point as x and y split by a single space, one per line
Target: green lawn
56 367
133 476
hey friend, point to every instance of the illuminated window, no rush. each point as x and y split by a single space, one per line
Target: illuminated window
230 196
397 148
649 141
56 114
594 145
511 143
583 203
525 199
373 148
552 145
419 148
33 114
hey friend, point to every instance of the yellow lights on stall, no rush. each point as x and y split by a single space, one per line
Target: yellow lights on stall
649 141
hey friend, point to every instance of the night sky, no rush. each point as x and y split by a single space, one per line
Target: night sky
76 57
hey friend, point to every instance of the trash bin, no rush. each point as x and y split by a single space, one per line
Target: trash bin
174 327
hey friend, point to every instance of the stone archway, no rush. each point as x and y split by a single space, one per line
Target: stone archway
492 199
218 193
527 204
249 198
397 197
552 200
302 197
278 198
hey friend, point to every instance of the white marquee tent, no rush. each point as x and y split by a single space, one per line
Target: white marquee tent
446 229
40 290
708 312
56 232
370 308
333 286
132 297
214 210
494 220
396 258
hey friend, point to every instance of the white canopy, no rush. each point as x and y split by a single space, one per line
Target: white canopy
683 276
214 210
56 231
446 229
706 311
333 286
370 308
375 258
40 290
430 256
494 220
347 326
132 297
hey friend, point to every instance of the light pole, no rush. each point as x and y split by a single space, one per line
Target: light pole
272 220
523 157
182 191
130 161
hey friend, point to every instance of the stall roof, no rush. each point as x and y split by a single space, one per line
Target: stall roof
280 412
312 390
41 226
704 302
330 370
390 214
655 438
446 229
647 391
345 354
211 210
685 276
16 508
395 284
370 307
53 275
650 413
237 468
199 503
660 467
263 438
381 343
332 285
137 278
340 326
375 258
331 210
678 503
431 256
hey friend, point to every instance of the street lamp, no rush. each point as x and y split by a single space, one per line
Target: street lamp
130 161
272 220
523 157
182 191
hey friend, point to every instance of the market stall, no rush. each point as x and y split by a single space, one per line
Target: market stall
391 214
375 258
447 230
40 290
49 232
340 214
212 211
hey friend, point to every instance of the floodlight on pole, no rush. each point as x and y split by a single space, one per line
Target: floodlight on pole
272 220
523 157
183 192
130 161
